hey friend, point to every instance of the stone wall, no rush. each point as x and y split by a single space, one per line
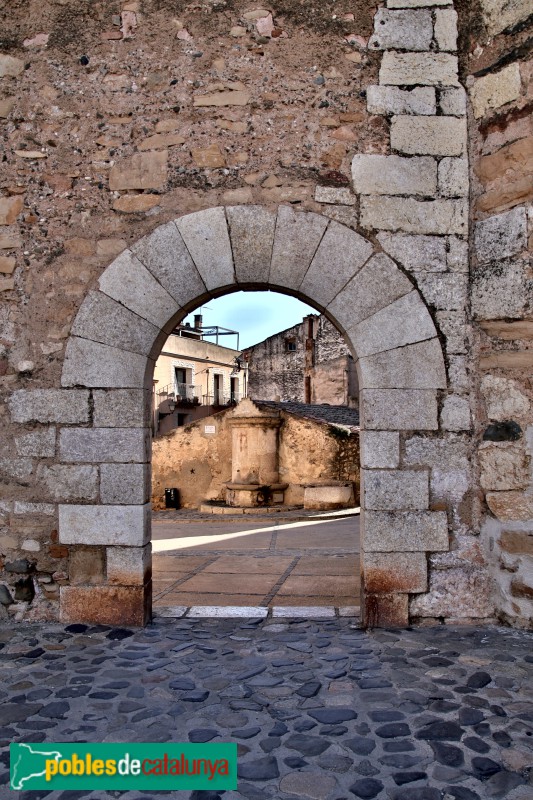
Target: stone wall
198 463
155 157
501 97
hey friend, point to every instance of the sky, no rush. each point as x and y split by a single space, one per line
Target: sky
256 315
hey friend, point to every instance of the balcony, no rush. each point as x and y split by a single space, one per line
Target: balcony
222 399
181 395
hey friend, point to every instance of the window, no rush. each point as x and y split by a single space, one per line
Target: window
290 345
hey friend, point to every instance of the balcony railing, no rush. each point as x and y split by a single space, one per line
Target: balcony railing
182 394
221 399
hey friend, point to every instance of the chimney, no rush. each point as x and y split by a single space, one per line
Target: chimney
198 320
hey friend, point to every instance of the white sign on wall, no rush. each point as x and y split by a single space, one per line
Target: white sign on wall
210 429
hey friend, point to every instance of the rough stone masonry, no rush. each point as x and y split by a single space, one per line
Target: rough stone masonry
375 163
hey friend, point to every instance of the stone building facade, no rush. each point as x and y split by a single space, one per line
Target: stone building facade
308 363
156 156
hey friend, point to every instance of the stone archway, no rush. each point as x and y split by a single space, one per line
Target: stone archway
119 331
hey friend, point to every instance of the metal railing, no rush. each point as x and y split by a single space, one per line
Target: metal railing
221 399
172 396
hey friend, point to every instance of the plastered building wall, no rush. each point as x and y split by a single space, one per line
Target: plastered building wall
370 162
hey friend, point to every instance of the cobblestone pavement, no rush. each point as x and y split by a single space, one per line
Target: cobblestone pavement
320 709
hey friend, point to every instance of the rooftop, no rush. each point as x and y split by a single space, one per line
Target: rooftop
330 415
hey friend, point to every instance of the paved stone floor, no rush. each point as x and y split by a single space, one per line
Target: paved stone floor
280 562
319 709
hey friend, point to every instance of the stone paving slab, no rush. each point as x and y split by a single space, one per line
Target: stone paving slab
319 708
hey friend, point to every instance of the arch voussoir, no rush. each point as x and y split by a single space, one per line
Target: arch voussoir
296 240
252 230
206 237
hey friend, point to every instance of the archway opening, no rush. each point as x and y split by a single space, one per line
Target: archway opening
255 462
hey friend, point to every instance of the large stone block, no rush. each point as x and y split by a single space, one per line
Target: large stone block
404 321
375 174
410 69
397 490
122 408
445 454
446 29
296 241
409 531
385 610
417 3
402 30
395 572
41 443
501 14
453 326
106 445
427 253
205 234
503 398
252 238
164 253
380 449
453 177
455 414
65 483
10 208
501 235
130 283
378 284
393 100
438 136
399 409
340 255
140 171
18 469
501 289
443 291
86 566
414 216
106 605
49 405
511 505
458 592
98 365
128 526
496 89
453 102
129 566
124 483
102 319
416 366
503 466
517 542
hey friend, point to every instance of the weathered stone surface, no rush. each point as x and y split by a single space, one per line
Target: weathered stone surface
100 525
501 14
417 366
457 592
49 405
122 408
129 566
457 255
444 454
160 141
102 319
416 3
93 364
375 174
399 490
10 208
501 235
340 255
507 359
389 532
40 443
509 331
414 216
315 785
519 542
45 509
296 240
122 445
453 102
66 483
392 100
232 98
252 237
130 283
501 289
439 136
205 234
495 89
404 321
107 605
6 106
427 69
453 177
7 265
136 203
380 450
503 466
510 505
334 196
426 253
401 30
395 572
163 252
375 286
86 566
18 469
503 398
10 67
446 29
124 484
455 414
209 157
443 291
399 409
386 610
140 171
